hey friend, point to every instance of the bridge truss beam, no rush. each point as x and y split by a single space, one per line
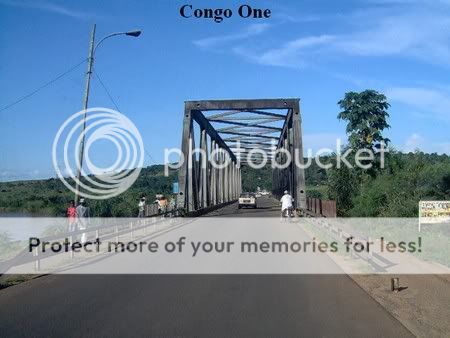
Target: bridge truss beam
204 185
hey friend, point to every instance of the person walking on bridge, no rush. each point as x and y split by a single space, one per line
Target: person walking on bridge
82 218
286 204
141 207
71 214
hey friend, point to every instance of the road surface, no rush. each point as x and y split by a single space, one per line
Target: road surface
195 305
267 207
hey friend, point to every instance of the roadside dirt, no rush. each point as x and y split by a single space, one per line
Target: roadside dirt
422 305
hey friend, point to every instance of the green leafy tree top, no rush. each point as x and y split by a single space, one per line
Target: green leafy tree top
366 114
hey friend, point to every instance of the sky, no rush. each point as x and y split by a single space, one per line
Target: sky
314 50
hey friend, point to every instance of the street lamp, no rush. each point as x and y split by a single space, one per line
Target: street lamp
92 50
134 33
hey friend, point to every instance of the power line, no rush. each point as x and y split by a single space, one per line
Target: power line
42 87
106 90
117 107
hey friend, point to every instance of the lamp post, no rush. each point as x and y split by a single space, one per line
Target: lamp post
92 48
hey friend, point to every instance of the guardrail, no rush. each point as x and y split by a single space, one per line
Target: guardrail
152 210
92 233
339 233
319 207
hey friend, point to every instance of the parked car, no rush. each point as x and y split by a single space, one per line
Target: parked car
247 199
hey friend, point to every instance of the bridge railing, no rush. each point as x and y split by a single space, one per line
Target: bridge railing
152 210
342 233
319 207
148 225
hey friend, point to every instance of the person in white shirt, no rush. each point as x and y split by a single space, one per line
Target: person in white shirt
141 207
286 203
83 217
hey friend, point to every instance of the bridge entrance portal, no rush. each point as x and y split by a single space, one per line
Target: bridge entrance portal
233 133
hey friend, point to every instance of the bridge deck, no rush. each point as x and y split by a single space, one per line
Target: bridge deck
267 207
199 305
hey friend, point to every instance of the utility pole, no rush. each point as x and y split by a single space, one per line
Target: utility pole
85 105
92 49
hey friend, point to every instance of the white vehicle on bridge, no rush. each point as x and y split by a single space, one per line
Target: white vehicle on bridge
247 199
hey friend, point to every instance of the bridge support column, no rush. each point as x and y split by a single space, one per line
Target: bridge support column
213 175
206 179
203 184
291 177
204 162
298 173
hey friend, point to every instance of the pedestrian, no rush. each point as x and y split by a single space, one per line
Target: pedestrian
172 203
71 214
286 204
158 206
141 207
163 204
82 218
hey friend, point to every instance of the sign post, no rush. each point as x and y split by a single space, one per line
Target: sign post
433 212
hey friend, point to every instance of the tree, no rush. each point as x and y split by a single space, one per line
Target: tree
366 114
446 184
342 187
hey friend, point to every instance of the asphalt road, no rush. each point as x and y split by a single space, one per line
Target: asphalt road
194 305
266 207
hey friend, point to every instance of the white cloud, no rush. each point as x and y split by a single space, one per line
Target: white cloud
410 2
297 19
432 103
290 54
251 30
417 142
4 173
420 31
23 174
414 142
423 35
48 7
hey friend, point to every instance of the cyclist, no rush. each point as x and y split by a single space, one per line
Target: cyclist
286 204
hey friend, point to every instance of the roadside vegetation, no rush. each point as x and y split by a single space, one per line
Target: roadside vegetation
51 198
392 191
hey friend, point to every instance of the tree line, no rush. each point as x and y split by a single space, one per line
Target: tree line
390 191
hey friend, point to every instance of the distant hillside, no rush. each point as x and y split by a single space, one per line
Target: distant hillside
50 197
393 191
253 178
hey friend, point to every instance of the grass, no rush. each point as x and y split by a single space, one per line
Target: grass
435 237
11 280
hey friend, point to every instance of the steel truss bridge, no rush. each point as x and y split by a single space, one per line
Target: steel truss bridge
233 133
